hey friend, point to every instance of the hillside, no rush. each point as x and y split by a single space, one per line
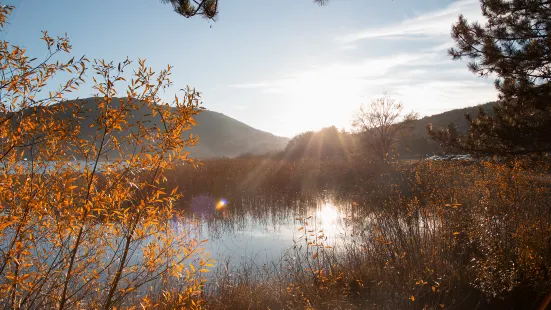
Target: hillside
442 120
421 144
222 136
219 135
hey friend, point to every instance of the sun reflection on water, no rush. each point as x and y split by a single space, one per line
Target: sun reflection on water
328 214
328 218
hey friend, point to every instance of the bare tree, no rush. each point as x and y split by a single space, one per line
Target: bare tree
383 124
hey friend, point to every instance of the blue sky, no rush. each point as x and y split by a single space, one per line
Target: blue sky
283 66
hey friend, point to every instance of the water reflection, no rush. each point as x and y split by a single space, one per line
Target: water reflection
263 226
328 214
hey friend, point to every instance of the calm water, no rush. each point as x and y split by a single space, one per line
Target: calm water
262 228
258 227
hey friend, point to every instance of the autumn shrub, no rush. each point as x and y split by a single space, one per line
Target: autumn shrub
444 235
99 232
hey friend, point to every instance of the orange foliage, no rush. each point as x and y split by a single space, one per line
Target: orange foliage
99 233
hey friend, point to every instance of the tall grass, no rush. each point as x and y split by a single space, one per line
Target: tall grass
428 235
247 175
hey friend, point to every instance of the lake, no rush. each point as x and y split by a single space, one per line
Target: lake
262 228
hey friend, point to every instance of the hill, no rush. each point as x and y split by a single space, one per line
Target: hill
219 135
329 142
456 116
421 144
223 136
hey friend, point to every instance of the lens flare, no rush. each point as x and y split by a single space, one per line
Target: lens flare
221 204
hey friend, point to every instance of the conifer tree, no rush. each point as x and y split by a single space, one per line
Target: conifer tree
206 8
514 46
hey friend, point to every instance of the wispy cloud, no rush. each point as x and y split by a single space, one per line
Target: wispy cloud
429 24
340 74
251 85
424 77
329 94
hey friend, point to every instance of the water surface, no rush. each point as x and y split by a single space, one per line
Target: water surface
264 227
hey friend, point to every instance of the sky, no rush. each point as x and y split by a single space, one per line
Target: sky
284 66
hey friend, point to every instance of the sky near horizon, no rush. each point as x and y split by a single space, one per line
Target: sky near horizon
285 66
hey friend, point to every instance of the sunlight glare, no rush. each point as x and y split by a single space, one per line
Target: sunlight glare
328 214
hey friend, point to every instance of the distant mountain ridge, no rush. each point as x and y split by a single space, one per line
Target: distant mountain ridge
456 116
421 143
219 135
222 136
